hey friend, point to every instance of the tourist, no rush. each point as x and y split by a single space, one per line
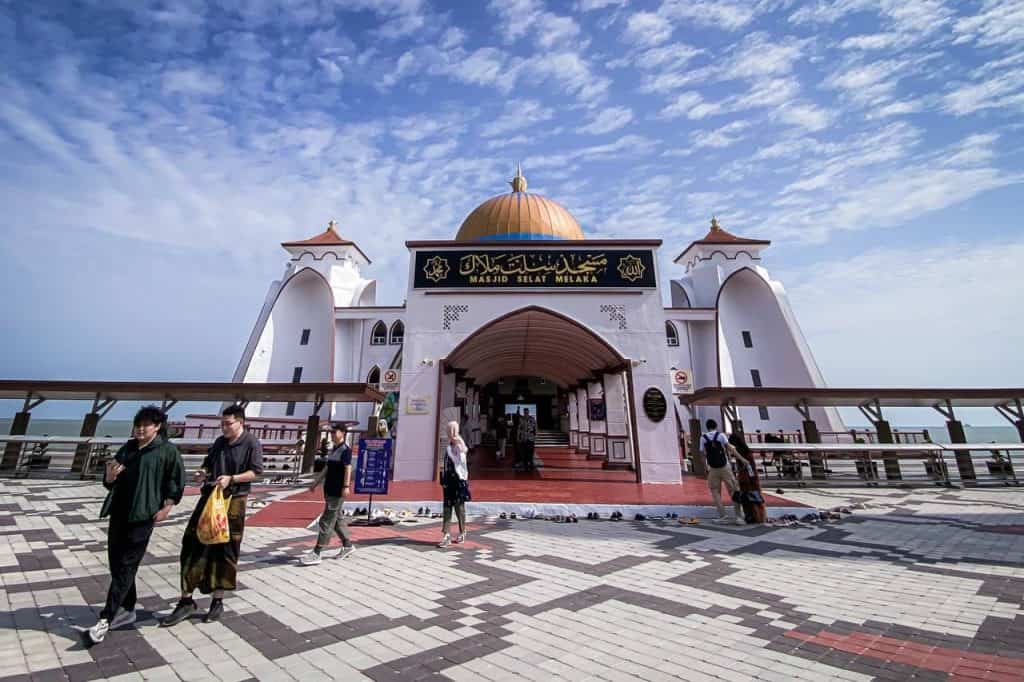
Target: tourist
751 498
527 436
144 480
716 449
336 477
455 484
517 449
501 435
234 460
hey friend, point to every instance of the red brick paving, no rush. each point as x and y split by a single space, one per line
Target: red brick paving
959 664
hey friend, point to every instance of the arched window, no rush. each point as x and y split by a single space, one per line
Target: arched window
671 335
397 332
373 378
379 335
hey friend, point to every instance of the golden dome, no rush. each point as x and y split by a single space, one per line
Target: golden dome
519 215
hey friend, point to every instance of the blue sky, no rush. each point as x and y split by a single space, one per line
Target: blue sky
153 155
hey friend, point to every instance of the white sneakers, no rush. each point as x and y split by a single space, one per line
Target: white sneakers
311 558
445 541
97 633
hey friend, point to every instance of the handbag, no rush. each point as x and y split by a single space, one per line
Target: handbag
212 528
753 497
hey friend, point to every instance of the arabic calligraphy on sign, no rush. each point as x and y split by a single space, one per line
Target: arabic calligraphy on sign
561 268
631 268
436 269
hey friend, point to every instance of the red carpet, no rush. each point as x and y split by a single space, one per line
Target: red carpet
300 509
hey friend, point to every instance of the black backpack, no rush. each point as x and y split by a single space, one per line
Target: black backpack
714 451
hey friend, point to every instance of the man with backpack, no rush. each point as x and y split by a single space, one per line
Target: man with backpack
717 449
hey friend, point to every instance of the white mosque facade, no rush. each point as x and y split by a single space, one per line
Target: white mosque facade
521 311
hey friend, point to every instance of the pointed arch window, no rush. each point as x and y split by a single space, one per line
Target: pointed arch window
397 333
671 335
379 335
373 378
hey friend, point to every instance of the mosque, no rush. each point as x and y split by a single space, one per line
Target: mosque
522 311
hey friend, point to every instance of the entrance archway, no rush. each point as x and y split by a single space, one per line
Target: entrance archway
534 356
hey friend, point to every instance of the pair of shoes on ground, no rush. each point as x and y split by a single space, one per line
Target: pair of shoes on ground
312 558
186 607
593 516
447 540
616 516
691 521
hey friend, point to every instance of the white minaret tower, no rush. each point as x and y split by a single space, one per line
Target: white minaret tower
755 339
293 339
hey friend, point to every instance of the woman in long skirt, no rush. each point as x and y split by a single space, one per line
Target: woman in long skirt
455 483
751 497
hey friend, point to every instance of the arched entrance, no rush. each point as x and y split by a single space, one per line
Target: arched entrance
573 382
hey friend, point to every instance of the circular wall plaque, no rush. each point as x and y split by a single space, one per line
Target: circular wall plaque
655 406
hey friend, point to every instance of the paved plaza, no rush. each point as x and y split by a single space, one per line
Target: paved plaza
914 584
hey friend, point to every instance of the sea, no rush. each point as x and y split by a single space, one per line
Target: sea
122 428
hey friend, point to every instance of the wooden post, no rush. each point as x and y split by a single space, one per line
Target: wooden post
89 425
19 427
892 464
700 466
312 442
812 435
963 457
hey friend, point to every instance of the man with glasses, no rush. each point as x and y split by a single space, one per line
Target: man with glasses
234 460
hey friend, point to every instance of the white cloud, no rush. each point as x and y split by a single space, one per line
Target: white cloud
485 66
761 54
868 84
591 5
689 105
675 55
608 120
920 17
517 116
872 41
956 292
192 82
714 13
1000 22
804 115
725 136
647 29
572 72
1004 90
453 37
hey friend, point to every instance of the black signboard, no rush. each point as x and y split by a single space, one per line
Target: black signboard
655 406
554 268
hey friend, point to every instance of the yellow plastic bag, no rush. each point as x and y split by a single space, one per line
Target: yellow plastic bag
213 522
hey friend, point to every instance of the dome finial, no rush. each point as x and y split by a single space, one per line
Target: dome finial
519 181
715 227
332 224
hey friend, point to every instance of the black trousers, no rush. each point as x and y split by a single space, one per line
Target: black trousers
126 546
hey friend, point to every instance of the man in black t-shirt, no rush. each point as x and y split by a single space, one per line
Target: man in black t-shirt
337 479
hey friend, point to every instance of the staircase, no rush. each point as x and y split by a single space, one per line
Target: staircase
554 462
548 439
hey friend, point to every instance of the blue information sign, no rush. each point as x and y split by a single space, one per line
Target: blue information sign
373 465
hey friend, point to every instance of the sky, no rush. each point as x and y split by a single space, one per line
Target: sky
154 155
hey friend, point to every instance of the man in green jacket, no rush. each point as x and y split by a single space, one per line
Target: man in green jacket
144 480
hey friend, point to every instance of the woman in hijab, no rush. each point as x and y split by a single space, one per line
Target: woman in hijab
454 482
750 485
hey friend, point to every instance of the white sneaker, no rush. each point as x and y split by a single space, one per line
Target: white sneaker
445 541
720 520
459 539
97 633
310 558
329 553
739 521
346 552
122 619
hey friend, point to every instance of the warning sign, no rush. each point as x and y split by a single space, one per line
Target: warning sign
390 380
682 381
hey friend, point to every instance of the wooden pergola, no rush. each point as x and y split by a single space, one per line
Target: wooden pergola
105 394
1008 402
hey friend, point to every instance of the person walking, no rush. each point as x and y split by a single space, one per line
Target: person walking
336 477
144 480
716 449
455 484
527 437
501 435
751 498
234 460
